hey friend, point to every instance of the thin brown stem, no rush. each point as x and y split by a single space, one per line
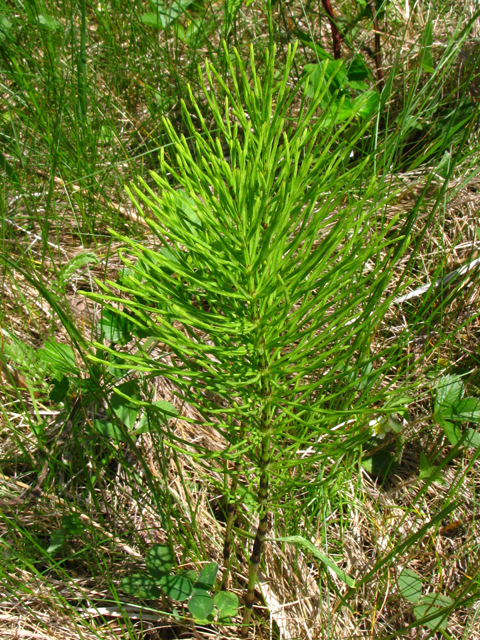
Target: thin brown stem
336 37
253 572
378 46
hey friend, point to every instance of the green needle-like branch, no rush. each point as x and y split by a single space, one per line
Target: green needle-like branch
276 263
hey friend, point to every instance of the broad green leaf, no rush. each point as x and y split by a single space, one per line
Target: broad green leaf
5 26
449 393
176 586
227 604
320 52
73 525
89 385
60 389
4 164
168 253
109 430
426 469
191 574
152 20
145 268
179 31
444 165
328 73
357 73
48 22
38 428
201 605
365 105
124 274
124 409
60 356
246 497
452 432
467 410
160 560
437 600
140 585
426 49
380 463
107 135
166 409
162 410
207 576
472 439
395 424
309 546
430 604
164 17
410 585
336 79
115 327
232 7
57 540
115 371
198 29
412 123
144 424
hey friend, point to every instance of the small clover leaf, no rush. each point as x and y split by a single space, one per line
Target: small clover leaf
201 605
140 585
206 579
430 604
410 585
227 604
176 586
160 560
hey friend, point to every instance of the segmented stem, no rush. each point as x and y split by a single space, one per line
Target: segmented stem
231 511
253 571
255 558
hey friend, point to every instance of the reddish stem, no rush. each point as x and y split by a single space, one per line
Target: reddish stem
336 37
378 46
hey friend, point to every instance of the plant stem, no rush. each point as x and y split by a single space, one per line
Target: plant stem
336 37
82 68
270 22
378 46
255 558
253 571
231 509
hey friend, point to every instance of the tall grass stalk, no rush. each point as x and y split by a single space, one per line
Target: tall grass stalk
82 66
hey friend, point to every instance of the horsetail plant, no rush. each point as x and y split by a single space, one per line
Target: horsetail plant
275 266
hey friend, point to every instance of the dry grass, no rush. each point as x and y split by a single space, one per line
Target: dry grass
123 519
296 605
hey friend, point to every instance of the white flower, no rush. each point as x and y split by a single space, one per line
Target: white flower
380 427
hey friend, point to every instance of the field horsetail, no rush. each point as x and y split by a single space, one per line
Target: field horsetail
270 278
